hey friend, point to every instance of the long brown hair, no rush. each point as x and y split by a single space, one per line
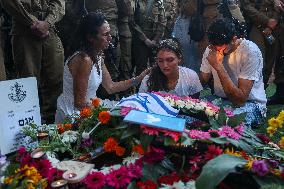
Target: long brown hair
157 80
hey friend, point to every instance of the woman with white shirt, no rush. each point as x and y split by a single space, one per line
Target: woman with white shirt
168 76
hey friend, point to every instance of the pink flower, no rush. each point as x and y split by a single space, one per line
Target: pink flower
135 170
240 128
175 135
229 132
149 131
229 112
197 134
125 110
118 178
95 180
155 155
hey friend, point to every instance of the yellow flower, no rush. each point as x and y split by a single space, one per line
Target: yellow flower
281 116
274 122
249 163
275 172
232 152
281 143
271 130
8 180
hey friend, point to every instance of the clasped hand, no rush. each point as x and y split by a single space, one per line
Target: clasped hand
40 28
215 58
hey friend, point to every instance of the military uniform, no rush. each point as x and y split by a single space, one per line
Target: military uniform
67 26
34 56
125 14
2 66
258 18
170 15
145 26
278 98
210 12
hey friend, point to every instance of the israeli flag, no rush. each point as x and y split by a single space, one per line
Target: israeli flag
149 102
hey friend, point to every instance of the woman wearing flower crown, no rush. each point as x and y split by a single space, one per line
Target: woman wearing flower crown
168 76
84 71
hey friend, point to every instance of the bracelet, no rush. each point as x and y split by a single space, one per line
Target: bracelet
134 81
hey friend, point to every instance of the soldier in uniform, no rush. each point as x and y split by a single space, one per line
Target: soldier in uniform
148 28
278 98
170 15
37 50
264 20
125 14
67 26
2 65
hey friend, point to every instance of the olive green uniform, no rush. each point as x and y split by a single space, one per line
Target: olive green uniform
145 26
258 19
2 65
170 15
34 56
125 14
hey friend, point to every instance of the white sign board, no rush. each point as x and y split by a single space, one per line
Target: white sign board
19 107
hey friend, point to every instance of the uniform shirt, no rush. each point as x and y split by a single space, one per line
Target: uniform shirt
245 62
25 12
188 83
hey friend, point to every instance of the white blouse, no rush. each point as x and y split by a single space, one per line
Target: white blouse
188 83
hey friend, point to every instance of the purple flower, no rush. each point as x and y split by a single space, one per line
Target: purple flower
87 142
2 160
273 164
260 167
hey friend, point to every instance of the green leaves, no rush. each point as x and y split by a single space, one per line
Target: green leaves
217 169
236 119
269 182
146 140
270 90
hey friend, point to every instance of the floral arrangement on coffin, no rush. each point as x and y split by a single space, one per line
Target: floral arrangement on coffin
66 139
275 124
224 137
26 172
188 104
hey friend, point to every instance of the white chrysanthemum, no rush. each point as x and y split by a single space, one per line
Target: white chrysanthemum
209 112
106 170
199 106
180 103
170 101
190 184
131 159
69 136
189 104
52 158
176 185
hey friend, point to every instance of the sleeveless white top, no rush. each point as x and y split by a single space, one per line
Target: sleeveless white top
65 102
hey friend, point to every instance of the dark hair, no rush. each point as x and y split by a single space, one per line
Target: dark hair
157 80
88 26
221 31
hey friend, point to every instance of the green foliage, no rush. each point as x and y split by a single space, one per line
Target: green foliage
236 119
222 117
270 90
217 169
269 182
146 140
